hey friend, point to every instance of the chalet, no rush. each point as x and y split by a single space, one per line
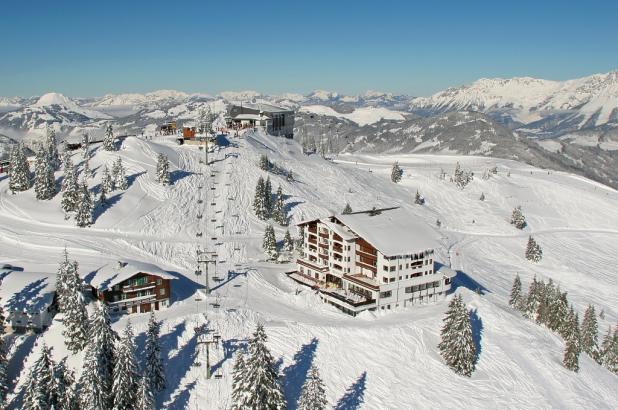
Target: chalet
275 120
378 259
132 286
169 128
28 299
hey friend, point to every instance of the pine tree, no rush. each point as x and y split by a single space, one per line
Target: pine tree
516 296
107 182
290 176
72 304
288 243
51 148
347 209
153 369
300 241
119 175
125 387
65 269
97 376
261 381
457 345
163 170
44 181
279 214
517 218
572 340
590 333
83 217
19 171
145 399
70 189
532 300
259 205
86 145
462 178
418 199
64 387
268 198
38 390
313 394
269 244
264 163
562 315
534 252
609 350
239 389
396 173
482 198
108 141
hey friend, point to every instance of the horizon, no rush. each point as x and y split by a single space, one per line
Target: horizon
87 50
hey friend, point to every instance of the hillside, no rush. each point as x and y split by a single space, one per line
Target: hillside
382 360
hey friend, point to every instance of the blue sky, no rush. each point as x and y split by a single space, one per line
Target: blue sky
87 48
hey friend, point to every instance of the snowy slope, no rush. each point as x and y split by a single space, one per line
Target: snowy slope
388 360
361 116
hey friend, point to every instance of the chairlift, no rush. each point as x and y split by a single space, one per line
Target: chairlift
214 238
199 216
218 376
212 175
198 272
199 201
199 234
213 220
213 188
213 204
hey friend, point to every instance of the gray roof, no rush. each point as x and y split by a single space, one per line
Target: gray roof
27 291
264 107
113 273
393 231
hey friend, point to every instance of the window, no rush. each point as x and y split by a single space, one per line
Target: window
407 265
162 291
385 268
409 289
159 281
400 267
386 294
400 277
392 280
392 269
385 279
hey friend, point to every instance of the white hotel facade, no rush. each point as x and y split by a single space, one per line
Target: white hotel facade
373 260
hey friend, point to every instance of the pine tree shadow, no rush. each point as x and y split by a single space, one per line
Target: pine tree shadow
291 205
176 367
179 174
295 374
100 209
181 401
131 178
463 279
16 361
354 395
28 298
477 332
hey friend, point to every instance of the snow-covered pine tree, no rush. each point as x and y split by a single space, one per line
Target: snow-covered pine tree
534 252
418 199
268 198
125 387
85 207
66 154
239 388
545 294
19 171
44 181
259 205
86 145
146 397
482 198
347 209
75 316
457 345
462 178
396 173
289 176
108 141
269 244
609 350
590 333
279 214
38 390
532 300
312 394
517 218
119 175
51 147
264 163
61 279
516 296
288 243
572 341
107 182
163 170
562 314
153 368
70 190
4 382
261 380
64 387
300 241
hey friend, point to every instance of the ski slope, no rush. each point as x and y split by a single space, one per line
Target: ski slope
378 361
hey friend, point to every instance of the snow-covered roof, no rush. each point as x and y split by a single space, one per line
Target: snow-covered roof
250 117
446 271
115 272
393 231
265 107
26 291
338 229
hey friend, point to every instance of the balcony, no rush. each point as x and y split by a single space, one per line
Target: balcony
136 300
137 288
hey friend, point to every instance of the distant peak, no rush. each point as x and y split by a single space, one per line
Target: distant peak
54 99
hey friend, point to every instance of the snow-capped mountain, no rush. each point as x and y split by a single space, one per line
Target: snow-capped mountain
537 106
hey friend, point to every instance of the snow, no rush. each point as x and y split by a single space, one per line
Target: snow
389 359
27 291
112 273
361 116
